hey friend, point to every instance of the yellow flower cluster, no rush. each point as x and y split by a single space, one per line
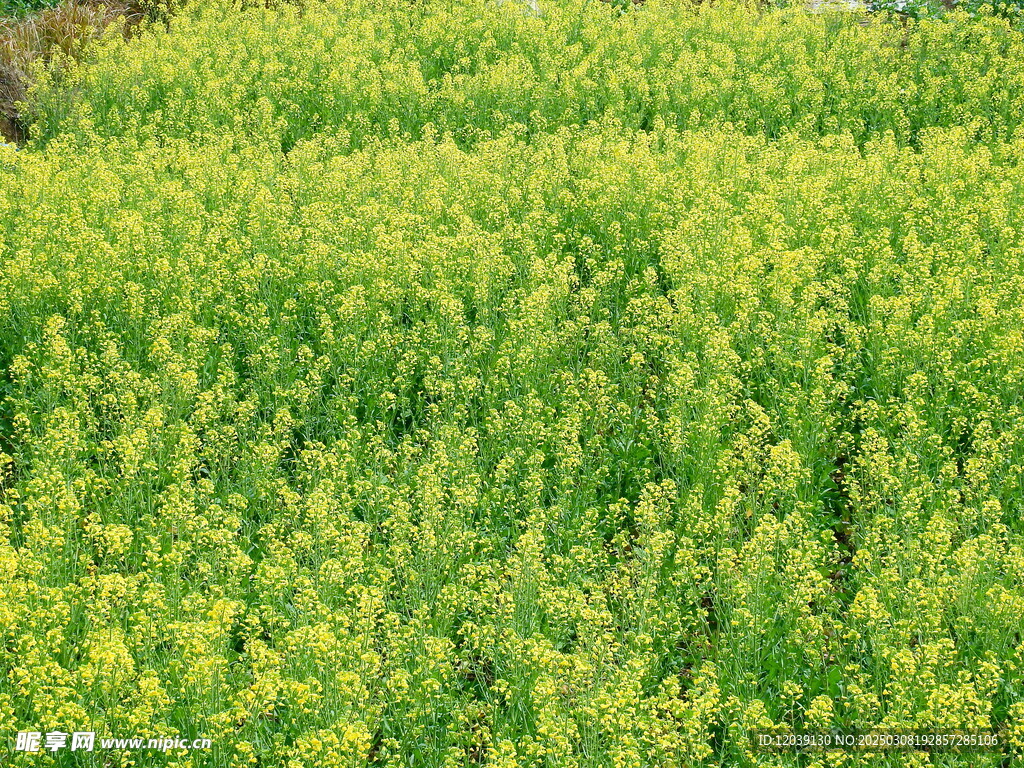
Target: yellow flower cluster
436 385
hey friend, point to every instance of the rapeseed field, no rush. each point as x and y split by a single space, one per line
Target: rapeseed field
441 384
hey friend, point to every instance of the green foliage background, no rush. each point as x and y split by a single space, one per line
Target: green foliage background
16 8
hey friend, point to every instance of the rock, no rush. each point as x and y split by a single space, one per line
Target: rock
531 7
837 5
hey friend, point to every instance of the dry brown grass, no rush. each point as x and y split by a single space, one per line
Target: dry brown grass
12 89
66 28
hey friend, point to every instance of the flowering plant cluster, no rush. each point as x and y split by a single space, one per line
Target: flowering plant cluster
442 385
